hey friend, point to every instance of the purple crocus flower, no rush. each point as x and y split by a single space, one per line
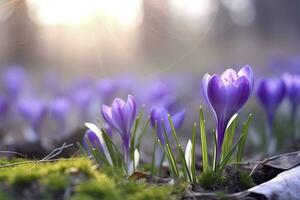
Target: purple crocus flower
270 93
120 116
59 109
226 94
13 80
159 115
33 112
292 84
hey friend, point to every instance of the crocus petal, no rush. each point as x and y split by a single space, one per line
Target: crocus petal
188 155
247 72
120 117
106 114
216 92
93 139
205 81
228 76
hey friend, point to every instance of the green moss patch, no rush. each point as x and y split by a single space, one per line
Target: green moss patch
72 179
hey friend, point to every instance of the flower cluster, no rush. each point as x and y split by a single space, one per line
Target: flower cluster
225 94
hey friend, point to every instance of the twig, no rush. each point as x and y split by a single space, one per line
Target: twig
13 152
57 151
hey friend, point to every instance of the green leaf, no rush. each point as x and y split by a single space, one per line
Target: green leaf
116 155
214 149
173 130
171 165
186 170
203 141
133 136
226 159
185 166
193 167
153 167
229 135
240 151
134 133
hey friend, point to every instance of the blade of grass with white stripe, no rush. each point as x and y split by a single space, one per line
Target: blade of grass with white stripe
113 151
229 135
174 172
134 133
203 141
214 149
241 146
186 170
169 150
193 167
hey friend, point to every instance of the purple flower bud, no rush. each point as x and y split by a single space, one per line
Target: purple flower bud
270 93
33 112
60 108
292 84
226 94
120 116
13 80
159 116
93 139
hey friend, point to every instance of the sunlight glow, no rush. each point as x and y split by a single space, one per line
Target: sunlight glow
193 8
78 12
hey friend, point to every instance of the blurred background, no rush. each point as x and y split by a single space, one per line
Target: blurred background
61 59
100 37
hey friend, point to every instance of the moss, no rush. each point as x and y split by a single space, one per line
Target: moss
51 180
56 181
101 187
209 181
4 196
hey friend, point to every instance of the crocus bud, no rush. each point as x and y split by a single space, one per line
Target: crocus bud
159 115
270 93
292 84
120 116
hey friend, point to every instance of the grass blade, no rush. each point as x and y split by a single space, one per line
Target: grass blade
215 149
193 167
229 135
171 165
203 141
226 159
241 146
